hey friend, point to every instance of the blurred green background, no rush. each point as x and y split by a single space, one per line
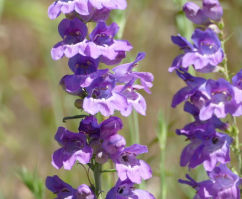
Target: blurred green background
33 104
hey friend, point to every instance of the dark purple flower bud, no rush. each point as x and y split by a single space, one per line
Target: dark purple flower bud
125 190
237 80
206 148
65 191
103 34
114 144
74 148
128 167
110 127
195 14
81 65
213 9
223 184
90 126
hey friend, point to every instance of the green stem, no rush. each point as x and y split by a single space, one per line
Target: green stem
109 171
162 138
97 177
73 117
225 61
136 127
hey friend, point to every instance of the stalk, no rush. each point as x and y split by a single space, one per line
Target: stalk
97 177
162 138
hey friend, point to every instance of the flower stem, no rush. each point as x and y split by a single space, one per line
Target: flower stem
97 177
225 61
162 138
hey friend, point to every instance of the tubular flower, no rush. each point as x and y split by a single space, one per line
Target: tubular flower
223 184
204 54
74 148
86 9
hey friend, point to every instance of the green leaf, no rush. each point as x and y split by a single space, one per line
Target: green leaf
32 181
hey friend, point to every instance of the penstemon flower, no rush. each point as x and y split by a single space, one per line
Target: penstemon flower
64 190
98 90
211 139
223 183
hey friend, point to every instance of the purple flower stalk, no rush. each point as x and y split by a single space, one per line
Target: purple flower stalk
99 90
208 101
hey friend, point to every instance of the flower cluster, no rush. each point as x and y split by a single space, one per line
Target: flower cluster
208 101
98 90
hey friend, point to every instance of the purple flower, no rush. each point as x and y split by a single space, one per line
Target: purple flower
128 167
74 148
212 10
101 45
72 31
110 127
223 184
125 190
103 137
114 144
212 97
223 98
208 148
76 84
195 13
65 191
101 97
81 65
87 9
124 74
205 127
90 126
190 91
237 80
204 55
